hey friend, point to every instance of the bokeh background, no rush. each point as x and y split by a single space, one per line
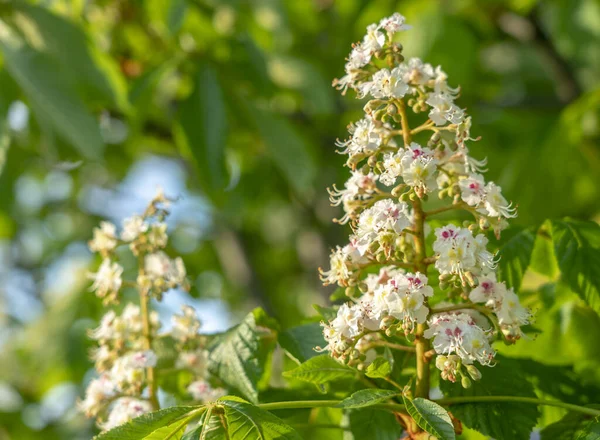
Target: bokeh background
227 105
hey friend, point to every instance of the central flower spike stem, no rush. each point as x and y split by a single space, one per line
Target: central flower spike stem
421 343
147 333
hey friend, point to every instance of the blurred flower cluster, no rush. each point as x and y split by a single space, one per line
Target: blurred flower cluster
384 267
126 360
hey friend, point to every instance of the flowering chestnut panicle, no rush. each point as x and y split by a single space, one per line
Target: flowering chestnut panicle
395 169
125 359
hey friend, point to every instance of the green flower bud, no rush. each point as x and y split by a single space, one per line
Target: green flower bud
465 382
473 372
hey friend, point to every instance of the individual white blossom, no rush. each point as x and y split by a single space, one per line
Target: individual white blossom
161 272
382 223
385 83
202 391
343 261
357 188
157 236
185 326
403 297
443 109
194 361
495 203
365 137
472 189
98 392
133 227
504 302
419 168
393 24
457 333
105 239
417 73
107 281
458 252
124 409
128 371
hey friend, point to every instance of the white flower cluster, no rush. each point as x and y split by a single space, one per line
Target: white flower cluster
458 333
505 304
202 391
146 236
372 43
393 299
124 359
121 361
460 253
394 170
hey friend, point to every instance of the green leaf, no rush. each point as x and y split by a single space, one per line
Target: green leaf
430 417
246 421
210 427
51 96
515 257
300 342
70 48
374 424
239 356
320 370
288 149
577 250
542 258
327 313
591 431
173 431
502 421
574 425
145 425
367 397
379 368
203 122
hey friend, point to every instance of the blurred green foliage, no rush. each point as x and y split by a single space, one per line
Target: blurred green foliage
238 94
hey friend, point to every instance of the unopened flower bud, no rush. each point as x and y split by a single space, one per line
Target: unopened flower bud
349 292
392 109
473 372
372 161
363 287
471 279
381 258
397 191
391 331
387 322
465 382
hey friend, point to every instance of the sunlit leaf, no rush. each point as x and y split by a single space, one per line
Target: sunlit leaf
367 397
430 417
239 356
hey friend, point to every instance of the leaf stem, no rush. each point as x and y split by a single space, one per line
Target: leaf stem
391 345
517 399
444 209
396 407
299 404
